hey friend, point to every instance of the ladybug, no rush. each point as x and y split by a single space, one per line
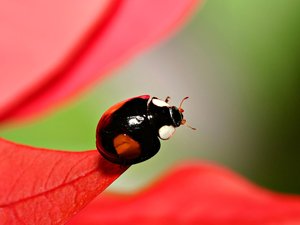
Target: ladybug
129 132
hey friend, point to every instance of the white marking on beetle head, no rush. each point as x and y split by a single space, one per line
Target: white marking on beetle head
159 103
166 132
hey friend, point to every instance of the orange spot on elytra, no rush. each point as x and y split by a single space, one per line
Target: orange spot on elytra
126 147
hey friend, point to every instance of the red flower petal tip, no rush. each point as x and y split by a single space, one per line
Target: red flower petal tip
40 186
195 193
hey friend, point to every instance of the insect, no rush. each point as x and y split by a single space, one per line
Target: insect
129 131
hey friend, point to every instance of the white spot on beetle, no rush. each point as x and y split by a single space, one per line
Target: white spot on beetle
160 103
166 132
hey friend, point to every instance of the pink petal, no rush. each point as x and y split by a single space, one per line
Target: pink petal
195 193
52 50
40 186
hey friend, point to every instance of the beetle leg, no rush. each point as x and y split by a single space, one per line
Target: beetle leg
148 102
167 99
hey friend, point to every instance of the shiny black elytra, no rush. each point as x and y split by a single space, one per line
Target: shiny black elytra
129 131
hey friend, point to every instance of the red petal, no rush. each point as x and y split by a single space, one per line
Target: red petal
40 186
48 63
38 39
195 194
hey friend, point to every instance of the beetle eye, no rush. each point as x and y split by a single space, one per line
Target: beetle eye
176 116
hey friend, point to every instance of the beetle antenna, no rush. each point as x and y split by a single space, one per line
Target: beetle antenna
193 128
183 122
180 105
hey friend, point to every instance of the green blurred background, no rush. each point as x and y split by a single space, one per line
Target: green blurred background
239 63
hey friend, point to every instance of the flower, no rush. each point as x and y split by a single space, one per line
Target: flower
63 48
194 193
